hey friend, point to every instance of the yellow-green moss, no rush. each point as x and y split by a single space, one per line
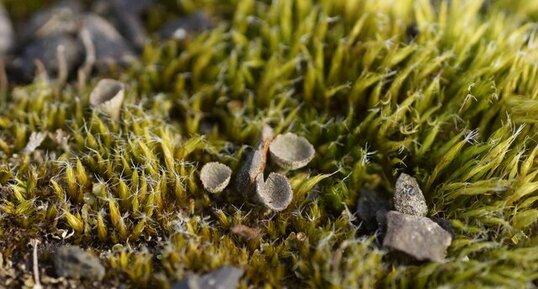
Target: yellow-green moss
456 105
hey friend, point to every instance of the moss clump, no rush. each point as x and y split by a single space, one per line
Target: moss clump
444 90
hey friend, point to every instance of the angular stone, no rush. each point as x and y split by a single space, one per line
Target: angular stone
74 262
417 236
408 197
226 277
110 47
61 18
371 209
132 7
126 16
46 50
445 225
133 29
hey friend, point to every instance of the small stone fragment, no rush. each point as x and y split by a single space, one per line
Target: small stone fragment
128 17
408 197
74 262
445 225
371 209
51 51
226 277
290 151
133 29
215 177
417 236
110 47
132 7
62 18
125 15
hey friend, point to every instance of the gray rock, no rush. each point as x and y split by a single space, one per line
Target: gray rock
445 225
45 50
408 197
59 19
6 32
416 236
110 47
133 29
371 209
226 277
74 262
125 15
132 7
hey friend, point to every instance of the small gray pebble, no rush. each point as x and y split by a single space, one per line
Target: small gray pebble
125 15
74 262
417 236
132 7
226 277
61 18
408 197
445 225
110 47
46 50
133 30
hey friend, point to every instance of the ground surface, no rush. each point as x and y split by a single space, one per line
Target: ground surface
446 91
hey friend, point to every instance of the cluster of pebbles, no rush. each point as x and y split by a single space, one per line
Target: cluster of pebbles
407 229
68 38
76 263
288 151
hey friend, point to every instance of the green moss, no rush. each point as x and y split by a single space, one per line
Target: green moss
455 105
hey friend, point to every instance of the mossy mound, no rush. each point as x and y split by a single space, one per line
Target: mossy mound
446 91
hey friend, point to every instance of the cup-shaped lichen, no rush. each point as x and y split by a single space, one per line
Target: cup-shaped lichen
107 97
215 177
275 193
290 151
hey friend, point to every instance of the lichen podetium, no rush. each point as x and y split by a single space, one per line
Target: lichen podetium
446 91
